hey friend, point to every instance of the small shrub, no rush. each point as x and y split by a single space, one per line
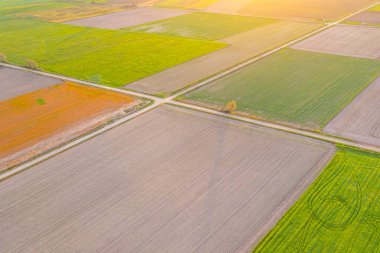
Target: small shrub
30 64
3 57
230 107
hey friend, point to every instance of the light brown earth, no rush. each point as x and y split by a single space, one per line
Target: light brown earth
366 17
171 180
15 82
228 6
243 47
128 18
304 9
38 121
348 40
360 120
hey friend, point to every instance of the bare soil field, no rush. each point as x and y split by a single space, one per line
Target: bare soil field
172 180
241 48
366 17
14 82
304 9
356 41
128 18
228 6
35 122
360 120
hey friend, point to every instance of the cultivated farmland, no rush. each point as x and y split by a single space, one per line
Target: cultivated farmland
304 9
172 180
128 18
294 87
241 48
201 25
356 41
59 11
35 122
360 120
14 83
109 57
189 4
365 18
338 213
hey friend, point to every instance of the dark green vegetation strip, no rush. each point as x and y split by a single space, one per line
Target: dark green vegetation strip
340 212
105 56
203 25
296 87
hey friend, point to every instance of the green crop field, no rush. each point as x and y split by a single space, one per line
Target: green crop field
24 7
376 8
203 25
292 86
110 57
340 212
191 4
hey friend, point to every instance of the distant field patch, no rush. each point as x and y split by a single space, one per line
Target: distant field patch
375 8
304 9
338 213
24 7
128 18
14 83
189 4
203 25
104 56
365 18
291 86
348 40
35 122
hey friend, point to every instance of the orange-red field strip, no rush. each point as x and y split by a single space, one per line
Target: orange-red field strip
36 117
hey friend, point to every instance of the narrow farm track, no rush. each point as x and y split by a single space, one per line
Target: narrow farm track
171 100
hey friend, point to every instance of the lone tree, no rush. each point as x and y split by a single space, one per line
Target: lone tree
30 64
230 107
3 57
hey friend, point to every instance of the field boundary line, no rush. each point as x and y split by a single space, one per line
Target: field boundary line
283 128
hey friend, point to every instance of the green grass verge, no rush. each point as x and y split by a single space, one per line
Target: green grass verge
110 57
340 212
190 4
201 25
293 86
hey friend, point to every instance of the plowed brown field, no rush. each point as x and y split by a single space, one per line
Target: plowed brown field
35 122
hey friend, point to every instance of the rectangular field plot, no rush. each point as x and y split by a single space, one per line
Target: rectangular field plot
361 119
110 57
338 213
14 82
366 17
128 18
304 9
35 122
295 87
265 37
171 180
188 4
356 41
201 25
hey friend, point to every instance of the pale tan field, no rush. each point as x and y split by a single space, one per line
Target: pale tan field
242 47
33 123
171 180
128 18
347 40
360 120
